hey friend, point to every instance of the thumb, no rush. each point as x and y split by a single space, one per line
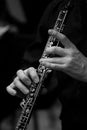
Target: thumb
62 38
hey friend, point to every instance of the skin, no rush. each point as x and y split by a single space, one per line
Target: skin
4 29
71 62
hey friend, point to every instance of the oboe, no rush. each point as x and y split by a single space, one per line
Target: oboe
28 103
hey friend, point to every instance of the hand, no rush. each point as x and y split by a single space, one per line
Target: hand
71 60
23 81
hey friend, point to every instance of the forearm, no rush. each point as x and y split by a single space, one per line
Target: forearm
79 69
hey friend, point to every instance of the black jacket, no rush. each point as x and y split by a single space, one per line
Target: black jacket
75 29
71 92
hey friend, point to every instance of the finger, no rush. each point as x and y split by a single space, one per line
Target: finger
54 66
20 86
33 74
23 77
10 89
62 38
54 60
56 50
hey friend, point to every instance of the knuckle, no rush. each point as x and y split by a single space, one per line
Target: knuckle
21 75
33 75
69 62
70 59
12 85
15 81
8 87
31 69
19 71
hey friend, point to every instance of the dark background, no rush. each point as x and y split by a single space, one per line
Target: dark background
12 47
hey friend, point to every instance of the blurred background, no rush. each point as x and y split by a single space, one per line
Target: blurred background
18 22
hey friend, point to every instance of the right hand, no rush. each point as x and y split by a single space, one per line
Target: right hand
22 81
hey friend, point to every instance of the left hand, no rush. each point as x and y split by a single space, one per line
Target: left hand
71 60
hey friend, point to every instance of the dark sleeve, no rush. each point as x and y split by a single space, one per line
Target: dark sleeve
83 44
35 49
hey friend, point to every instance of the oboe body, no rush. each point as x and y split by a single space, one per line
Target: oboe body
28 103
